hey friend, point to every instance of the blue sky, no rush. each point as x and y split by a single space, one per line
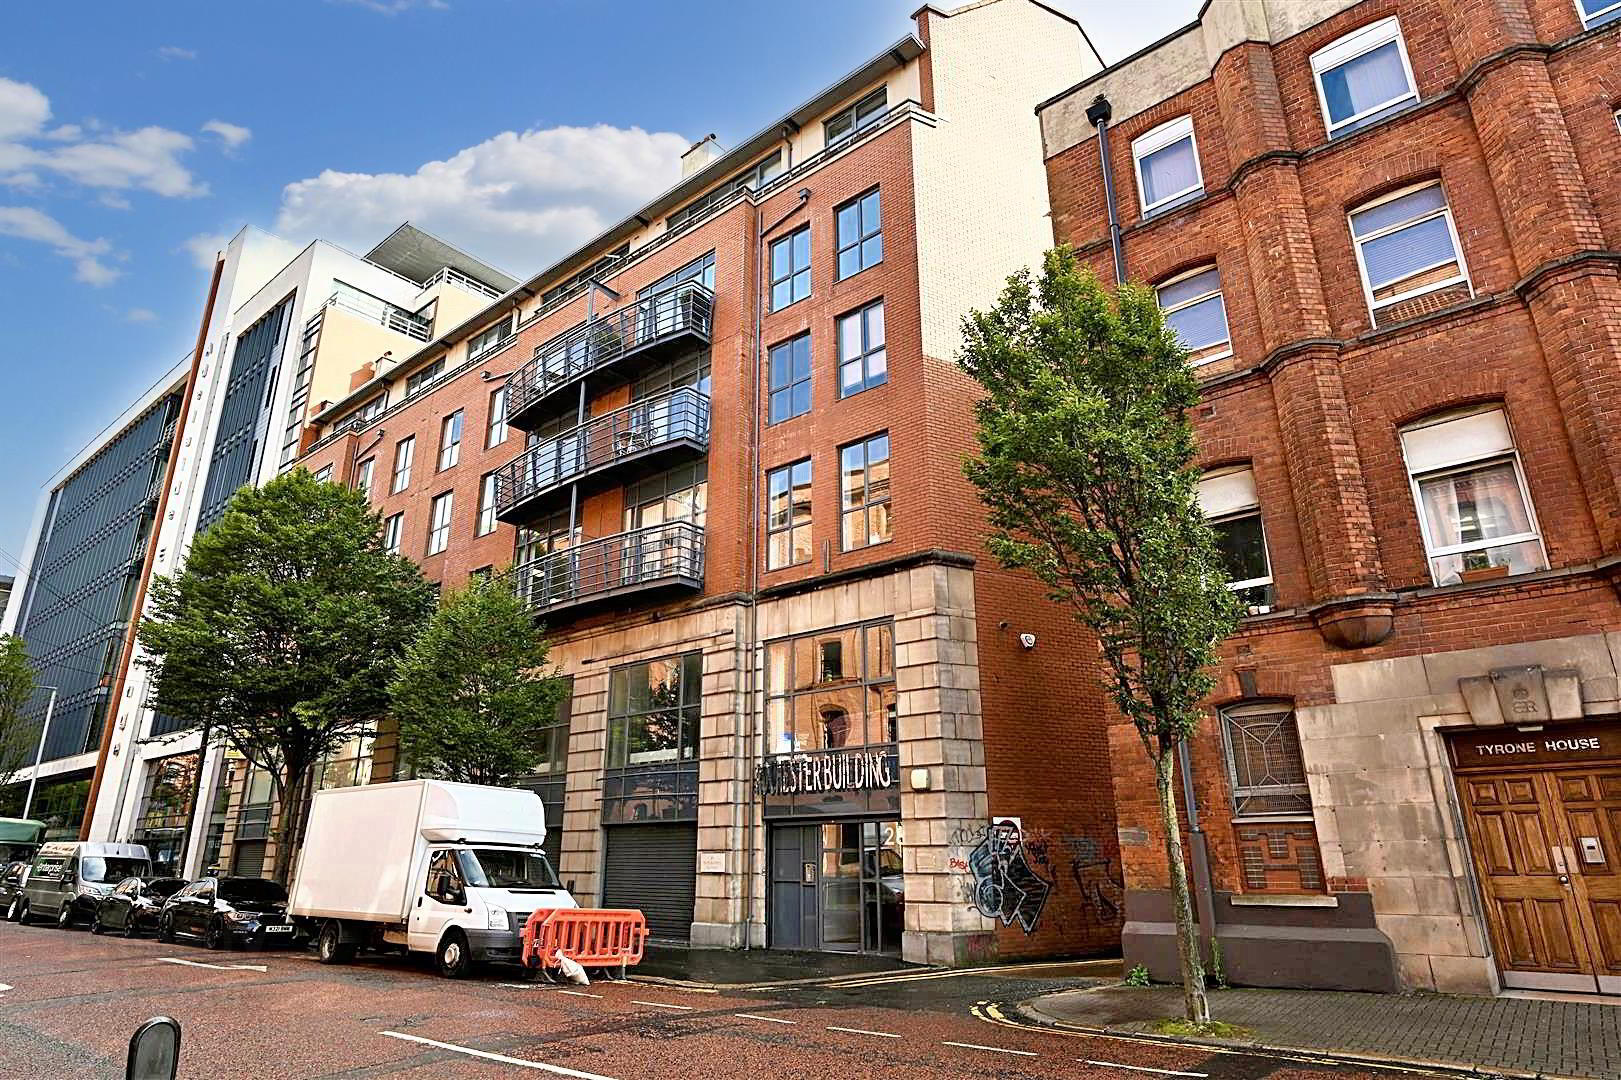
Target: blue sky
130 144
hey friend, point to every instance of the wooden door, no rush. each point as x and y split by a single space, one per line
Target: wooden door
1590 812
1533 910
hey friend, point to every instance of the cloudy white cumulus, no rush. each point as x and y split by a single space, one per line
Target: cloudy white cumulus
395 7
89 265
517 200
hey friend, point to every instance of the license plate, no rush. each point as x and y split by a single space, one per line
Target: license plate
278 929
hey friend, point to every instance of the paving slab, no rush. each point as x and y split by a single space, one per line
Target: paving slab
1515 1036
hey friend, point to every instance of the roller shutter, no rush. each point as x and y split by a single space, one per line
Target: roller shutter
654 868
248 860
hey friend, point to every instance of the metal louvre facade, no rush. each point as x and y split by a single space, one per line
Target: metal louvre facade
82 581
245 412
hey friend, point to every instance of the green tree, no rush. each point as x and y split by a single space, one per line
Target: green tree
1086 466
18 737
282 631
473 695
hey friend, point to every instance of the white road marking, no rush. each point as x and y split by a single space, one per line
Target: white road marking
215 967
661 1005
767 1019
502 1058
579 993
4 987
859 1031
990 1049
1140 1068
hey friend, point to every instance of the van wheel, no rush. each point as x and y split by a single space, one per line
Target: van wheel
14 909
455 958
23 912
64 916
330 948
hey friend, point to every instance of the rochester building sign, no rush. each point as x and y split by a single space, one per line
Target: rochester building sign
830 782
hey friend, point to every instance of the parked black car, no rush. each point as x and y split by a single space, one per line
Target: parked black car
11 887
134 906
226 911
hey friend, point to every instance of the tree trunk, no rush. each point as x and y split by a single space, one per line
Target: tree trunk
292 801
1195 1004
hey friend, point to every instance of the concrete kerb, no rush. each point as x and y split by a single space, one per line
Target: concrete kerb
1030 1015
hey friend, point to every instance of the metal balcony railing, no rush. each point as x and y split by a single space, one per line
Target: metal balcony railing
380 311
671 554
643 429
685 311
455 277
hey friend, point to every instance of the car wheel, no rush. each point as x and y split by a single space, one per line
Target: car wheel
64 917
14 909
23 913
217 938
454 957
95 924
166 930
330 948
130 927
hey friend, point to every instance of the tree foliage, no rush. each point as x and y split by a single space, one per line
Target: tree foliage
1086 467
473 695
18 736
282 631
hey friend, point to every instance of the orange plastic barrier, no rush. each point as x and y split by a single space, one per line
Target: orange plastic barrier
591 937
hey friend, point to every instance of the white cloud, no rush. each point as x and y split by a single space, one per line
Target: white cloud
204 248
140 315
27 223
147 158
517 200
395 7
175 52
232 135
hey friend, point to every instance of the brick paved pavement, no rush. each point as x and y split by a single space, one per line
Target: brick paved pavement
1566 1038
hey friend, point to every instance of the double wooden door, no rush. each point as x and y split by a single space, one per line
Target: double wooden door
1547 846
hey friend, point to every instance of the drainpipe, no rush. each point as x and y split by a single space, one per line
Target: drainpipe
1099 113
1204 892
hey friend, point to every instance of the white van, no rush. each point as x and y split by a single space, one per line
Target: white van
428 866
69 877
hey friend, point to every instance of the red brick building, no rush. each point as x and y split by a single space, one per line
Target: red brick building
722 444
1389 231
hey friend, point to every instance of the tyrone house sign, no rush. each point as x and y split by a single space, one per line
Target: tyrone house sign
1554 744
830 782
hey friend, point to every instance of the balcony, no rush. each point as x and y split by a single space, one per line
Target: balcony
375 309
648 560
612 448
617 343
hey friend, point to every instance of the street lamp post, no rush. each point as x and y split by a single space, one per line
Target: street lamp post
39 752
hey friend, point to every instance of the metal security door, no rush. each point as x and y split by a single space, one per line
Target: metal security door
1522 854
793 916
653 868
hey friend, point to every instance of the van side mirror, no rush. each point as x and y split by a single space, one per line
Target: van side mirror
154 1050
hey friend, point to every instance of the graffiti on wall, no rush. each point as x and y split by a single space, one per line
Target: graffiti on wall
1009 872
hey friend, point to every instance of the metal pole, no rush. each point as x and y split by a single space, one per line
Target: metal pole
39 752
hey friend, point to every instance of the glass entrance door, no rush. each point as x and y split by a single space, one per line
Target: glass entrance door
838 887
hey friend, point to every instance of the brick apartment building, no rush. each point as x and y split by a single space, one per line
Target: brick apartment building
1390 231
722 444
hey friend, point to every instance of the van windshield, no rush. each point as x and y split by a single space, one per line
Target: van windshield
495 868
106 870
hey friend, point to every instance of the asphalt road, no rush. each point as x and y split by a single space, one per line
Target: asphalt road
71 1000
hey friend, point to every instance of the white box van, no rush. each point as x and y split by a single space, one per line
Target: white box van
430 866
69 878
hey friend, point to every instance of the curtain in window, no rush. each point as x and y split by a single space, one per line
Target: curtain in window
1397 256
1481 504
1200 325
1169 171
1370 80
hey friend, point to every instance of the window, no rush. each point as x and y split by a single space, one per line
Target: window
701 270
1193 307
864 476
1363 77
1167 161
752 179
372 409
481 574
439 522
392 528
324 475
790 268
348 765
1473 506
1264 762
363 476
1598 12
788 515
496 430
1229 502
678 494
552 739
790 364
404 451
851 119
863 360
831 689
654 712
859 236
425 377
490 340
450 440
1406 246
486 506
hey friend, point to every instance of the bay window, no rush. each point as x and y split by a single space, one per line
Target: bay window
1193 307
1364 77
1167 164
1406 246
